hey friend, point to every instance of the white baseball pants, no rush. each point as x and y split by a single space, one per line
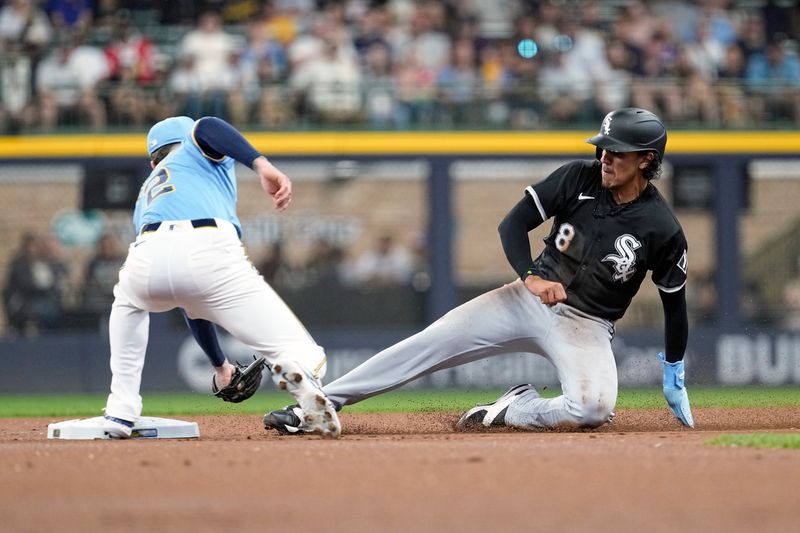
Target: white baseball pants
206 272
505 320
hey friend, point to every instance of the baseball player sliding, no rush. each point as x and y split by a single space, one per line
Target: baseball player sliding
610 226
188 254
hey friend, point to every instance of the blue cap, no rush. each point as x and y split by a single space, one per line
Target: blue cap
168 131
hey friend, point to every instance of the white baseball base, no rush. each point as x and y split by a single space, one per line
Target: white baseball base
146 428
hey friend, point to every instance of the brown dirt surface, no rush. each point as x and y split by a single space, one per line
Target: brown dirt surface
407 472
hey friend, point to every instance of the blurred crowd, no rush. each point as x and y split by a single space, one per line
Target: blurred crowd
396 64
41 291
49 287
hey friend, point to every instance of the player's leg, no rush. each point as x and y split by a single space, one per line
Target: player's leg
580 349
130 320
128 331
239 300
251 311
230 292
507 319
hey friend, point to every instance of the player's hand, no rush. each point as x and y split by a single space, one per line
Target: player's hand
274 182
549 292
675 392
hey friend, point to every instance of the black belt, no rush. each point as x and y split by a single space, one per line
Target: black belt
196 223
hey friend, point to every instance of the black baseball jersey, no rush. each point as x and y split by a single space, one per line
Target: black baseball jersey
600 250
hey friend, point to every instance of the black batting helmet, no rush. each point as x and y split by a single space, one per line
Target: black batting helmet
631 129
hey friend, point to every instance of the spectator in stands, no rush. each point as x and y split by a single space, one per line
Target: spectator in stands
32 294
216 74
635 25
493 20
719 15
415 90
380 104
752 34
465 28
131 55
372 31
542 25
613 88
273 264
430 46
331 83
586 63
308 43
680 15
22 22
658 87
388 264
275 108
131 61
699 97
325 264
732 99
705 54
184 87
521 76
102 273
67 85
565 89
262 68
459 88
17 111
494 80
25 33
773 76
70 15
208 50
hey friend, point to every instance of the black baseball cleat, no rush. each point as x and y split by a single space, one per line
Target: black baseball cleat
492 414
286 421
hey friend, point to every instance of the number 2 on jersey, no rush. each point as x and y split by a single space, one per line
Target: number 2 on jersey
157 185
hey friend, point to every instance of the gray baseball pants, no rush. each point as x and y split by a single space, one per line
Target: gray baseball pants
509 319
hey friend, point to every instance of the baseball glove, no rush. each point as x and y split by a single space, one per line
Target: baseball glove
245 382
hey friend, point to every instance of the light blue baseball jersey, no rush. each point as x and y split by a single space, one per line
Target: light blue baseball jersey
187 185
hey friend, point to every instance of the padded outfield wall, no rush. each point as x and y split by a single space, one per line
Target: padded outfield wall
443 193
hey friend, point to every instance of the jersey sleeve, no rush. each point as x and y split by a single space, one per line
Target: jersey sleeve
216 139
669 274
553 193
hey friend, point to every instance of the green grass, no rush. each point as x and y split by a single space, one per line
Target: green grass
758 440
81 405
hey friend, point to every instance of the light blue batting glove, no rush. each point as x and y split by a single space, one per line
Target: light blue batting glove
675 392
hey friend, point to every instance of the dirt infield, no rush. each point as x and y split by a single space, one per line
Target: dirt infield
407 473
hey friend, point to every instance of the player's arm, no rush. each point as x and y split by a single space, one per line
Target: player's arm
514 230
205 333
676 324
217 139
676 333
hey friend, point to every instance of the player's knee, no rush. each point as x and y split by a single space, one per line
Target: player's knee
592 412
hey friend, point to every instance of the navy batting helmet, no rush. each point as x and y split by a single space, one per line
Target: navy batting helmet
631 130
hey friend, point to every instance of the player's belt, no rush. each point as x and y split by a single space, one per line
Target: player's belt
196 223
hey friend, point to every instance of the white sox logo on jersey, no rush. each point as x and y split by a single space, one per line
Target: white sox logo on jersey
625 259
